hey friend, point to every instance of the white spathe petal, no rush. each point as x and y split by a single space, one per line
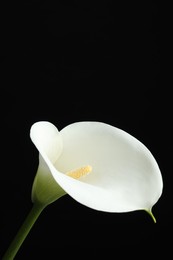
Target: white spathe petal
48 141
125 175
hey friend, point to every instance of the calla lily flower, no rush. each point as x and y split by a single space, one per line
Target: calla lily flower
97 164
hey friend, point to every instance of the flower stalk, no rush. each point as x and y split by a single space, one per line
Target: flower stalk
23 231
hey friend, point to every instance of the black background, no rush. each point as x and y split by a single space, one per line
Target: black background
68 61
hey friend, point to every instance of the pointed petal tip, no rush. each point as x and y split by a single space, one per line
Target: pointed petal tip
151 215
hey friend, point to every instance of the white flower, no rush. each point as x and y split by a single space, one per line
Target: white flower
100 166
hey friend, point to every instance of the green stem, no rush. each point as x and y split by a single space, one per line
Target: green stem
23 232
